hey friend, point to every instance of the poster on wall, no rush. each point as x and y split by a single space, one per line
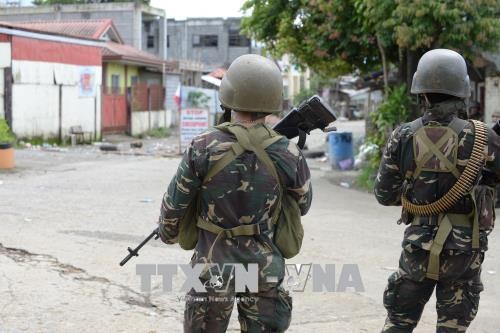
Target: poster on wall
87 83
193 122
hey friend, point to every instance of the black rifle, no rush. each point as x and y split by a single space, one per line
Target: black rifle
135 252
309 115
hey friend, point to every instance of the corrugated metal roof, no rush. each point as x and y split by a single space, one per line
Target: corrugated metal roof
94 29
88 29
113 50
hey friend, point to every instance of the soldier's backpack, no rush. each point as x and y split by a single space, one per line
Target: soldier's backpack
288 233
435 149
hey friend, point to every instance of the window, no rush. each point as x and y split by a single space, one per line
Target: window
147 27
85 16
115 83
133 80
168 40
235 39
205 40
151 42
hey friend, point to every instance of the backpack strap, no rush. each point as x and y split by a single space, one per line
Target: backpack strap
457 125
248 139
433 151
268 138
235 151
251 139
462 187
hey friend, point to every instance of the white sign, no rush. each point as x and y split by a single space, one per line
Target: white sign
193 122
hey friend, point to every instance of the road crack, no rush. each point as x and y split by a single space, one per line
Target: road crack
129 296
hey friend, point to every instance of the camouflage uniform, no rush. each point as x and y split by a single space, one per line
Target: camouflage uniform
242 193
459 284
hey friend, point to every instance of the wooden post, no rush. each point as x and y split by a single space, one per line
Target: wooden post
8 96
149 106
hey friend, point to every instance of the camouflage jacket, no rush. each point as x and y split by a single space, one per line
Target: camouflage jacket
243 192
398 159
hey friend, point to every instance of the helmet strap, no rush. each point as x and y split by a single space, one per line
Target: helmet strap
226 116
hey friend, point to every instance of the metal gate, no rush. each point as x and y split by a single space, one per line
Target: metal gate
114 113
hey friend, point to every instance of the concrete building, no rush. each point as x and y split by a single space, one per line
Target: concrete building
139 25
215 42
46 93
121 91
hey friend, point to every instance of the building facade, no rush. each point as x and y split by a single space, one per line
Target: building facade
49 83
215 42
139 25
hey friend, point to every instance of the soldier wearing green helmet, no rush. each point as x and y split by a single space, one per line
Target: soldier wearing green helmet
234 175
442 170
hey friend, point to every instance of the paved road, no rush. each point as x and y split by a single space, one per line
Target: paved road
67 218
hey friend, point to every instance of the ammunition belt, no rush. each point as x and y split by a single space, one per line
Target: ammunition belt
464 183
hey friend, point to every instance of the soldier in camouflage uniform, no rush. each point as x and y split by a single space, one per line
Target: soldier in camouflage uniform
244 192
443 86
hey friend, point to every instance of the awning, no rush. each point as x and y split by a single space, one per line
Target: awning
212 80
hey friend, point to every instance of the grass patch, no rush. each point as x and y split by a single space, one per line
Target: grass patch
159 132
366 178
40 140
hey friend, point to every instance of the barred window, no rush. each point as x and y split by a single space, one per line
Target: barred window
235 39
205 40
151 42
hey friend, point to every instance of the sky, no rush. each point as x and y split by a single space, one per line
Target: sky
181 9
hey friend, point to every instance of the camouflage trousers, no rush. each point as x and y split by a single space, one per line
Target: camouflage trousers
268 311
457 291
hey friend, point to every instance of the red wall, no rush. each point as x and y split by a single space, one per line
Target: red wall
4 38
24 48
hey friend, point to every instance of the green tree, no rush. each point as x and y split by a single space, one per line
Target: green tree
327 36
339 36
197 99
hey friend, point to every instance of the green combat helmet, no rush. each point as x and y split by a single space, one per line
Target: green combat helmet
252 84
441 71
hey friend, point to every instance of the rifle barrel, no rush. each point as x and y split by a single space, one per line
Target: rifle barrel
135 252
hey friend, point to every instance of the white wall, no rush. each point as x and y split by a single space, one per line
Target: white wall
5 55
141 122
492 100
35 110
78 111
35 100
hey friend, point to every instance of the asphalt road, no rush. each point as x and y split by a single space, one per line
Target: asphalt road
67 218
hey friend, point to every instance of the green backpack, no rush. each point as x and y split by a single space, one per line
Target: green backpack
288 233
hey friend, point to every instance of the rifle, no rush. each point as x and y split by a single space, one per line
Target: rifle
300 121
309 115
135 252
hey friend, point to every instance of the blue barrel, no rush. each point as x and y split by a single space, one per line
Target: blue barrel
340 150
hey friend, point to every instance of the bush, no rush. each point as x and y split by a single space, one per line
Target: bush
6 135
392 112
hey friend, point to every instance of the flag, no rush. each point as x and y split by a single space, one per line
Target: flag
177 96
